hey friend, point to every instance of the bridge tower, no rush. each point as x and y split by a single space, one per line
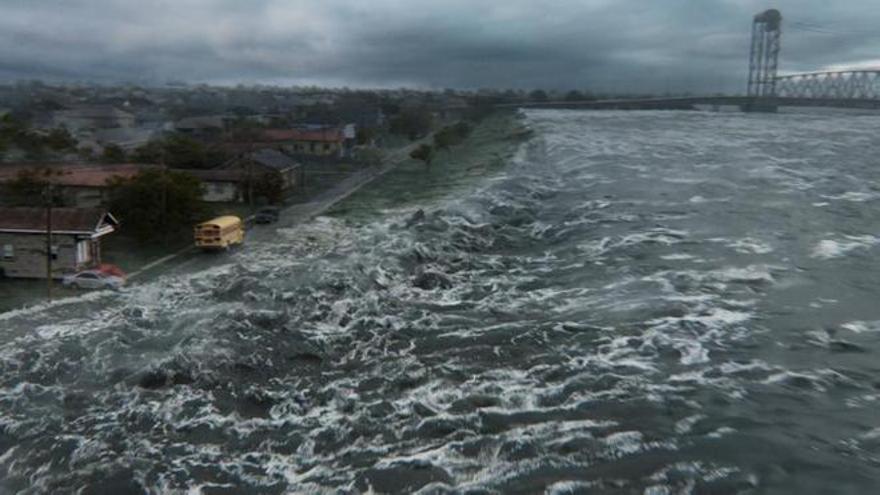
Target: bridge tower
764 58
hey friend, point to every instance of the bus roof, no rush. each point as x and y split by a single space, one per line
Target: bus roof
223 222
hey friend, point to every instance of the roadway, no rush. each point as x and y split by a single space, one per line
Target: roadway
191 260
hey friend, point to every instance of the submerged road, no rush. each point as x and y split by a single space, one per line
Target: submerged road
190 259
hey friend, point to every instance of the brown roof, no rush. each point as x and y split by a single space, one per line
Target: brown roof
76 175
64 220
321 135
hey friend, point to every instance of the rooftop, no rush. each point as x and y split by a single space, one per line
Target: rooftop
89 221
75 175
321 135
273 158
95 112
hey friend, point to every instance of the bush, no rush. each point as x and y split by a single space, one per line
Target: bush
414 122
452 135
424 152
538 95
113 154
16 133
178 151
29 188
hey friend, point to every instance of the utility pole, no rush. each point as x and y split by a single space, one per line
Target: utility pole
249 164
49 239
164 179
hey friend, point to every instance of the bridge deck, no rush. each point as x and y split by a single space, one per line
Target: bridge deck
684 103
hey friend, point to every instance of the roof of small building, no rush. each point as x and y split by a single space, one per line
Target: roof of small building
75 174
95 112
320 135
64 220
273 159
202 123
215 174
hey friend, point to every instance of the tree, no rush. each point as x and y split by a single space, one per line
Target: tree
574 95
365 135
413 122
425 153
155 204
28 187
151 152
538 95
267 187
184 152
445 138
113 154
60 139
452 135
36 145
179 151
85 153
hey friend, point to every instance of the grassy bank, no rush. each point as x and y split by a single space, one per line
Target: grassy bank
487 150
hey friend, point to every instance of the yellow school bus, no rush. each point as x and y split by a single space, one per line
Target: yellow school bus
219 233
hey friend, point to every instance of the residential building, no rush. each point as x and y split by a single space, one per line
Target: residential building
93 117
220 185
267 163
203 126
76 240
321 141
78 185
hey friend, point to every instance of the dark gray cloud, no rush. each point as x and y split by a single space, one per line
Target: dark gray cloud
628 45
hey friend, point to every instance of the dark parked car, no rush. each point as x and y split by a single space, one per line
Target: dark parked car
267 215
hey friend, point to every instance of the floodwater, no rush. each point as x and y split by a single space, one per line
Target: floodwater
631 302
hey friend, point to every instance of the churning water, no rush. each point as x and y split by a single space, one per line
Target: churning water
650 303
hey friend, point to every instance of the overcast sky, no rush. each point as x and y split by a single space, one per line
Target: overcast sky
630 45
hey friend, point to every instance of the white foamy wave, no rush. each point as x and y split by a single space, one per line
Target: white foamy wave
677 257
750 245
853 196
862 326
829 249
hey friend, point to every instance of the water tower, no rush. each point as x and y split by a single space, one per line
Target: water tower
764 59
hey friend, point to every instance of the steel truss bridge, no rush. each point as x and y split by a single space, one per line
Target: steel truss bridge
842 85
766 89
746 103
858 89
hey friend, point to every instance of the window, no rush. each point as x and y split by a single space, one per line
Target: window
326 146
8 251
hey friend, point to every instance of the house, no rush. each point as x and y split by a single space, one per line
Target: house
86 185
267 163
93 117
220 185
127 138
76 240
79 185
320 141
208 125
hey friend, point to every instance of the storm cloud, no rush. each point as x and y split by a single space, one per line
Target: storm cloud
602 45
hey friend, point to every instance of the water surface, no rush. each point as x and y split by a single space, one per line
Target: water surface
632 302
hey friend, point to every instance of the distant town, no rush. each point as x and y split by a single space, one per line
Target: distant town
94 176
